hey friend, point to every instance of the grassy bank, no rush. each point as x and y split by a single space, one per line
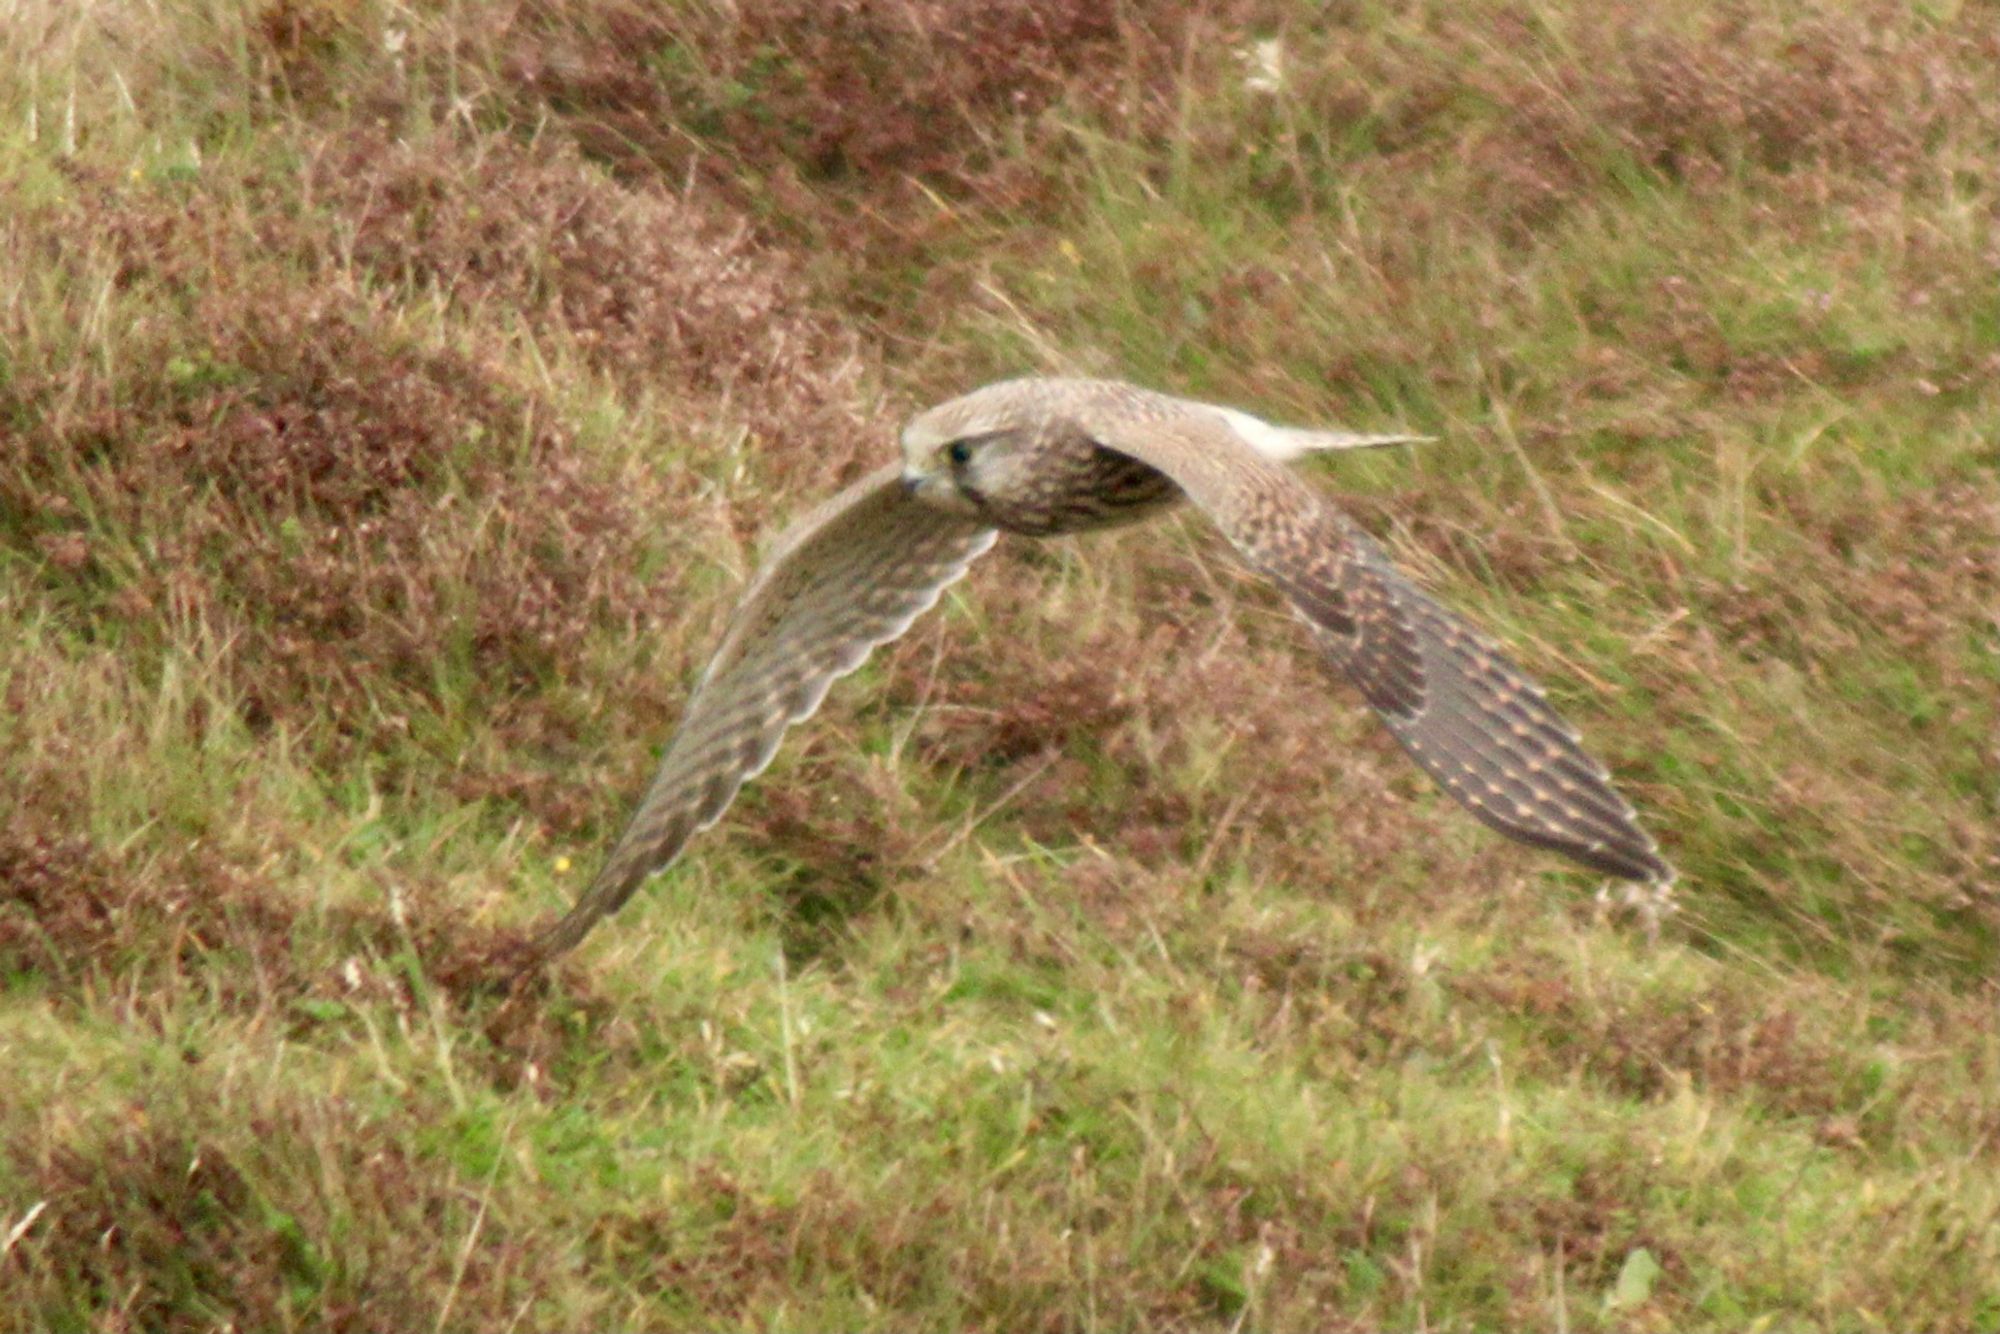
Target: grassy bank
393 397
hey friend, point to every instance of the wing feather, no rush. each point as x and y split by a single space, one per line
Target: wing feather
1475 722
850 576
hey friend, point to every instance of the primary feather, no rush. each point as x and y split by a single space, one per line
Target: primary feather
851 575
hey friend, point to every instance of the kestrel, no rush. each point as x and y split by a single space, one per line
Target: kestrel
1046 456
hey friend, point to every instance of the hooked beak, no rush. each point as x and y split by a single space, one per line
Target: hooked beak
930 488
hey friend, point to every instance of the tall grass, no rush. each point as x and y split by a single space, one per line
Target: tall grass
392 398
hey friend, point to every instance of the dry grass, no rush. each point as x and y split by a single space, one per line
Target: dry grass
392 396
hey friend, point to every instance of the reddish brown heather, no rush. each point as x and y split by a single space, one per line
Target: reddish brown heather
661 293
1933 561
1836 100
731 1251
144 934
1727 1038
155 1210
871 90
850 129
352 507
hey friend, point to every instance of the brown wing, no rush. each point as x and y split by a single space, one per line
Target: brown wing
849 576
1468 716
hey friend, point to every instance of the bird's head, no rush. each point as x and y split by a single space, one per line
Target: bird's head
974 448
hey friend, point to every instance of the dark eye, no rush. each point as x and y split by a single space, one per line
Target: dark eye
960 453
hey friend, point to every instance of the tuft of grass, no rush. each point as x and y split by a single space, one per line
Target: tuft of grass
393 397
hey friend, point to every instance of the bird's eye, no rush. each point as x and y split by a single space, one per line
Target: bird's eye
960 453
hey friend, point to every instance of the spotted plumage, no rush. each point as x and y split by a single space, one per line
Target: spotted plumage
1047 456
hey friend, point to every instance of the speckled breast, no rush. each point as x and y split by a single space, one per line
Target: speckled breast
1079 485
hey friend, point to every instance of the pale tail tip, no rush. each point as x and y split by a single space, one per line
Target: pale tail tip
1346 440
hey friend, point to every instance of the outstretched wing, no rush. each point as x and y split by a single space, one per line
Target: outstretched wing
1476 724
849 576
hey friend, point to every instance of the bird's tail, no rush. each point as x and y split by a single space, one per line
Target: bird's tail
1309 441
1283 444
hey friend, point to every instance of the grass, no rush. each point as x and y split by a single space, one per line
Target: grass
392 399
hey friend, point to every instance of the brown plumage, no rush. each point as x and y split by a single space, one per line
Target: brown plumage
1048 456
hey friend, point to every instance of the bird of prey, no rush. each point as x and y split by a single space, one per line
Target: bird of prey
1039 457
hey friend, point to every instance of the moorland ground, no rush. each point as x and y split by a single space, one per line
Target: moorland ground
392 398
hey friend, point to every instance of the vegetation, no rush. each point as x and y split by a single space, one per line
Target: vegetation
393 394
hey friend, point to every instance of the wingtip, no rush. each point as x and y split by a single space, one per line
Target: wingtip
1643 865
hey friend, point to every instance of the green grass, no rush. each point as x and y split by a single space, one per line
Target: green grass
392 399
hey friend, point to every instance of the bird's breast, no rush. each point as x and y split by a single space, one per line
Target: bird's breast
1074 487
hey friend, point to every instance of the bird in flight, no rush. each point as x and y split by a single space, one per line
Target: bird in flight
1040 457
